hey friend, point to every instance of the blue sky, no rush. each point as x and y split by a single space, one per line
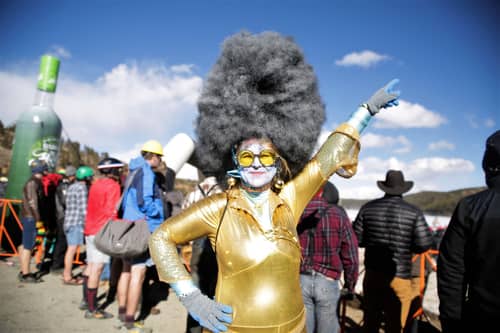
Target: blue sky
132 71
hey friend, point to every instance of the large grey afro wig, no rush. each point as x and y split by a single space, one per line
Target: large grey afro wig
260 86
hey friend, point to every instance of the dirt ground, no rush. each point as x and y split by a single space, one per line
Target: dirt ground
51 306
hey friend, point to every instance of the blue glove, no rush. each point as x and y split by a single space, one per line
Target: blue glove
207 312
384 97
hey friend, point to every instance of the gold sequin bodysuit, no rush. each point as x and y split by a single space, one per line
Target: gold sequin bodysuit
258 269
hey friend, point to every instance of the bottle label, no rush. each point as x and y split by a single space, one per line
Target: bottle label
46 149
49 70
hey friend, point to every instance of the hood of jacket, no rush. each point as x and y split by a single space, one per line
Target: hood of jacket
136 163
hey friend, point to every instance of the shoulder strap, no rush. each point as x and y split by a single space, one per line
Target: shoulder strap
205 194
220 222
202 191
128 181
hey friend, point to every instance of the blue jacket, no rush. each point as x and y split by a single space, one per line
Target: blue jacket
143 197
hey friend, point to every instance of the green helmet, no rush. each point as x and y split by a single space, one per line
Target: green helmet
84 173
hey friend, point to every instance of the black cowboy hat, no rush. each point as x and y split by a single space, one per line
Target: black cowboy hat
394 183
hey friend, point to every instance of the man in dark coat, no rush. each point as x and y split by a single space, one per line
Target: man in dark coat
469 256
391 230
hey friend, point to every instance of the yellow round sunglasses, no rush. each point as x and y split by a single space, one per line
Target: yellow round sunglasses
266 157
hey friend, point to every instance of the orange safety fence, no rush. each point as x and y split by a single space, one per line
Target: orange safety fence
7 205
423 258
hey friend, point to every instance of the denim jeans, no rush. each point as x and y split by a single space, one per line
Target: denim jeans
321 295
29 232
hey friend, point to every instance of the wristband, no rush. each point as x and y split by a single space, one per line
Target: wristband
360 118
183 288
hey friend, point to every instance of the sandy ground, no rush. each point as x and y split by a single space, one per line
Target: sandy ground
51 306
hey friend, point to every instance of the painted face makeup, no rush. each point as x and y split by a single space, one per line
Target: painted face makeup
256 161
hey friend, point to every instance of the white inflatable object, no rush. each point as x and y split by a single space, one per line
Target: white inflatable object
178 151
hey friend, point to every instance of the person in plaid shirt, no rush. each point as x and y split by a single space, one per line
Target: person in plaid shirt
74 220
329 246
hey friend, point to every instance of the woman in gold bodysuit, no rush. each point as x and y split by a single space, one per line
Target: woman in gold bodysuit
252 226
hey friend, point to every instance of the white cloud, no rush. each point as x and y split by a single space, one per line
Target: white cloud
363 59
471 119
408 115
60 52
428 174
118 112
16 95
441 145
399 144
186 69
489 123
440 165
474 122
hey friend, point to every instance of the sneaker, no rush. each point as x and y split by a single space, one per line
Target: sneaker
119 325
38 275
138 328
97 314
120 321
83 305
28 278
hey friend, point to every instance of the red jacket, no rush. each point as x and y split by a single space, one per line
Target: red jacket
101 206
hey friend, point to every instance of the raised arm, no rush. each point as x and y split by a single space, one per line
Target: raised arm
342 152
339 153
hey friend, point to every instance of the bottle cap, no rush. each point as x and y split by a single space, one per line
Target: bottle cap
49 69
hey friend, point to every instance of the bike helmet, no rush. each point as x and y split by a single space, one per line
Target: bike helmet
39 166
70 171
110 165
153 146
84 173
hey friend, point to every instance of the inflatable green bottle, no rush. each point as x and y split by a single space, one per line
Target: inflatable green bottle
38 130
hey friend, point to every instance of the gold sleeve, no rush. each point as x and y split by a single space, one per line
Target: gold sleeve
200 219
338 154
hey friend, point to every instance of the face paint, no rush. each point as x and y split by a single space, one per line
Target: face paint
257 175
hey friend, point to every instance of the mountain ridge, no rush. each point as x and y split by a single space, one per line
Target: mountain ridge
431 202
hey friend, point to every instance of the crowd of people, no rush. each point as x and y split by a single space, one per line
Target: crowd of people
83 202
271 243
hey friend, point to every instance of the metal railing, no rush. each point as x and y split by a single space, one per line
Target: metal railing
7 206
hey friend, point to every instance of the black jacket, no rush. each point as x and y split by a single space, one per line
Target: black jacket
61 190
469 261
391 230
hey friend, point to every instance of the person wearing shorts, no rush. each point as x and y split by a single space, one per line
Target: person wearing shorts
104 195
74 235
32 191
141 200
74 220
